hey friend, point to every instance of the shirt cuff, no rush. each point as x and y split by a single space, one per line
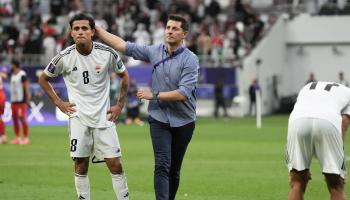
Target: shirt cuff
129 48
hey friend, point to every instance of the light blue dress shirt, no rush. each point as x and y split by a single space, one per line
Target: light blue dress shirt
180 72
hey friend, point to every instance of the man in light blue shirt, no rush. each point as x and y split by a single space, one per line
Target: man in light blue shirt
172 106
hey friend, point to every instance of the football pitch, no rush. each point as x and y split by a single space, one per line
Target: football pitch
228 159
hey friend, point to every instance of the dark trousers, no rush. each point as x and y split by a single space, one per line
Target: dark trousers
169 147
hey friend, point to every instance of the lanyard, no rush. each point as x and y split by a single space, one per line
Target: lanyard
178 52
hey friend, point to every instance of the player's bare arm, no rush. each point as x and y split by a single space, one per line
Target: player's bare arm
345 124
27 91
112 40
165 96
65 107
116 109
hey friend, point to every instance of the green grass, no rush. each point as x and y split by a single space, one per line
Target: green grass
226 160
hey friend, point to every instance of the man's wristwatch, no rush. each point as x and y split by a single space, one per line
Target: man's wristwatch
155 96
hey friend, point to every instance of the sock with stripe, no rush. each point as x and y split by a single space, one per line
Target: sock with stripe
82 186
120 186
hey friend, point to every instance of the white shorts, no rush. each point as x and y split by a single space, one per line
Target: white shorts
99 143
308 137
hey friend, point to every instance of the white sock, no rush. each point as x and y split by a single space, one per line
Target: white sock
82 186
120 186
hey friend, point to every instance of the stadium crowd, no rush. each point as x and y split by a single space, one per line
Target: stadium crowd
219 33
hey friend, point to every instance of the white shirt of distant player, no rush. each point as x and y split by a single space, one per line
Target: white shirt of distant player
1 84
88 81
325 101
17 87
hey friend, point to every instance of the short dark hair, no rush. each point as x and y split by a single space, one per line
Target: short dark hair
15 62
83 16
178 18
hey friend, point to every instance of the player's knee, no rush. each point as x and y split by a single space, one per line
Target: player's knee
334 181
299 179
114 165
81 165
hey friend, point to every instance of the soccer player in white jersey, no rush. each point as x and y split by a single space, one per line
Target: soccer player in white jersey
3 138
317 127
85 67
20 98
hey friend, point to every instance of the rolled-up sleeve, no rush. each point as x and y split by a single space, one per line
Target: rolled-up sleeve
189 77
138 52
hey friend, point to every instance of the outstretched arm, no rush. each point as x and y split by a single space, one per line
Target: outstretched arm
65 107
112 40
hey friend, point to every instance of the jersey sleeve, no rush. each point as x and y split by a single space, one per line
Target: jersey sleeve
117 63
346 110
24 78
55 67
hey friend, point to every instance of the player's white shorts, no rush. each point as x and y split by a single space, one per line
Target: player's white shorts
308 137
99 143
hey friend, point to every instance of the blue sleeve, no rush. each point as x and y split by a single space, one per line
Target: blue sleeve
189 77
138 52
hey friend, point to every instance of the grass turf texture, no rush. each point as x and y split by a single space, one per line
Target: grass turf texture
226 160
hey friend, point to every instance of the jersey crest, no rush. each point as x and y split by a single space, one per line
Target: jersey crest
98 69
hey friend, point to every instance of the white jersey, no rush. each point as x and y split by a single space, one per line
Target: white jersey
87 80
17 87
323 100
1 83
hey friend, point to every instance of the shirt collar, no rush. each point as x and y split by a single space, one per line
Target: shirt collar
182 46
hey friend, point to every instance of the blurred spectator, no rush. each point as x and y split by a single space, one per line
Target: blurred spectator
253 88
342 80
129 26
49 43
37 97
213 9
56 7
141 36
133 105
239 47
311 78
329 8
217 43
257 26
204 46
219 99
158 33
33 42
75 7
6 8
192 44
346 9
101 22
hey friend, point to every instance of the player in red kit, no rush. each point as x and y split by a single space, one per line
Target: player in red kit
3 138
20 98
